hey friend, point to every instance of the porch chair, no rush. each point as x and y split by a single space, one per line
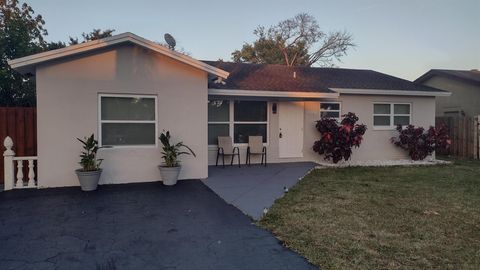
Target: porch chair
225 148
256 147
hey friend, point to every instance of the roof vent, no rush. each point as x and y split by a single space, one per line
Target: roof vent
294 74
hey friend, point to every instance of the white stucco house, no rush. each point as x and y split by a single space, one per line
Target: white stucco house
126 90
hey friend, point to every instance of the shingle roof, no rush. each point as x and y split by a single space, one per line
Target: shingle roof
469 76
307 79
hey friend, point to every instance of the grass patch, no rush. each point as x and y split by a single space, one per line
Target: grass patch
395 218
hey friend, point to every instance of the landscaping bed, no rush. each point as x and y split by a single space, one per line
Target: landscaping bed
383 217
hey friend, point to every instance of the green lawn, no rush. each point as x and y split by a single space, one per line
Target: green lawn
384 218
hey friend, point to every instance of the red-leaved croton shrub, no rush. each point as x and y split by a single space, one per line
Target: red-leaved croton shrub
336 140
421 144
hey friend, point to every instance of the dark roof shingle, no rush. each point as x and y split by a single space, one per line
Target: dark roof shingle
307 79
469 76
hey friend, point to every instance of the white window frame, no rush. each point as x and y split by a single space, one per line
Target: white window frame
391 114
223 122
232 123
100 121
333 102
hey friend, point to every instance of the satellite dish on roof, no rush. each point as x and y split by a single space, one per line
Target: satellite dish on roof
170 41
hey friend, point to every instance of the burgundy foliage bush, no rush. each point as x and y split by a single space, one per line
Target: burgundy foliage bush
419 143
336 140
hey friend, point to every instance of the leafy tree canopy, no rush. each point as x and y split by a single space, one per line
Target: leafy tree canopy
297 41
94 35
22 33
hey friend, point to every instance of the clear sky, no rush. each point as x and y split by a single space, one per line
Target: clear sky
404 38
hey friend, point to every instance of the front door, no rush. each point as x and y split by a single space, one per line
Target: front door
290 129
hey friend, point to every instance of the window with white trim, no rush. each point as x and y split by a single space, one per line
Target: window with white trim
218 120
127 120
330 110
389 115
238 119
249 119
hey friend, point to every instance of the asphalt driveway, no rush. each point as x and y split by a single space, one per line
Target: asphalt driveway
138 226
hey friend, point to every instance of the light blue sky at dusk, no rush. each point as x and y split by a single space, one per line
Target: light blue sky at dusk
404 38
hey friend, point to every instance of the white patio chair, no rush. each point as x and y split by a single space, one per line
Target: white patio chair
256 147
226 148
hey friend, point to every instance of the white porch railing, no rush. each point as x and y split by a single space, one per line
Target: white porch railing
18 180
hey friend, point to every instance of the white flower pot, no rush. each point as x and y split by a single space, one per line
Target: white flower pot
169 174
88 179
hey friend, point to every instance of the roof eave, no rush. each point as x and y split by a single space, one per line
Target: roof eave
355 91
28 63
271 94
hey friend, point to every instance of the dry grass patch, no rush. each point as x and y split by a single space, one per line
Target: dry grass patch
384 218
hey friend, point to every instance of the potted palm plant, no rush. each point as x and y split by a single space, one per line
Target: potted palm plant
170 169
89 174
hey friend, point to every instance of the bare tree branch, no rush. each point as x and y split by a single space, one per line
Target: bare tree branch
334 46
296 41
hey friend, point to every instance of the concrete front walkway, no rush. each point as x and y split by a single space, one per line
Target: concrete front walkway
137 226
251 189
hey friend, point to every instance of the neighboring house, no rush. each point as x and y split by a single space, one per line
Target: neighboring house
464 86
126 90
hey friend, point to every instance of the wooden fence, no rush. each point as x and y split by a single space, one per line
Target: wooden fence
21 125
465 134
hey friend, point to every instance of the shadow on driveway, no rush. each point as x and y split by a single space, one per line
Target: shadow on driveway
135 226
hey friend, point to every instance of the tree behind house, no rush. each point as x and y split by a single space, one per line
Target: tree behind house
295 42
94 35
22 33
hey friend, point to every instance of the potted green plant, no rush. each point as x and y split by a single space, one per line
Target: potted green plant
89 174
170 169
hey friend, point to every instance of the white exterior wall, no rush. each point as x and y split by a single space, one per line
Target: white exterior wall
376 144
67 108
